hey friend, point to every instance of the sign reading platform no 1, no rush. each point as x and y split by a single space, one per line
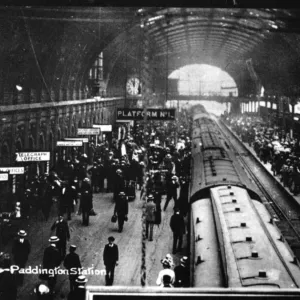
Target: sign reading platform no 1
151 113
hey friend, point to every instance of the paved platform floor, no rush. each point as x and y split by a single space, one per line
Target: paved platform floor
91 240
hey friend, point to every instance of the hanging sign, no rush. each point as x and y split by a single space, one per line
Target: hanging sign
84 140
140 114
103 128
32 156
69 143
3 176
88 131
13 170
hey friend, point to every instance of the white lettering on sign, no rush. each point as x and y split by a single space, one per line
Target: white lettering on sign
13 170
32 156
88 131
103 128
84 140
69 143
4 177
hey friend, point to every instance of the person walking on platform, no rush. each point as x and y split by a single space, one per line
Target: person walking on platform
150 216
167 271
51 261
71 263
178 227
119 183
79 290
67 199
20 251
172 185
110 258
63 233
121 209
182 273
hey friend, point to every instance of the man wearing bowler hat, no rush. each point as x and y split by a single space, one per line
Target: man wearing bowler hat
79 291
63 234
51 260
110 257
20 251
72 262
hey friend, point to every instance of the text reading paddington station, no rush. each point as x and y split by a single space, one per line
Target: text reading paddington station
139 114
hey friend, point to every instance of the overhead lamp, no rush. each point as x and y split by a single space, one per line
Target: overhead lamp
19 88
274 26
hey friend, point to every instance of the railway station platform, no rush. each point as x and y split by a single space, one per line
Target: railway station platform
268 167
90 242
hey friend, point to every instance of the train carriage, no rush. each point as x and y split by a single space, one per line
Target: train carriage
233 243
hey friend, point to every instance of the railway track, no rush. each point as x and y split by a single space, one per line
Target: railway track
281 205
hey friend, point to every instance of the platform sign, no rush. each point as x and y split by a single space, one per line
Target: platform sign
32 156
88 131
69 143
103 128
13 170
84 140
150 114
3 176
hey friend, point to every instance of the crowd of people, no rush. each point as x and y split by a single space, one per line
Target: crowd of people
271 145
153 157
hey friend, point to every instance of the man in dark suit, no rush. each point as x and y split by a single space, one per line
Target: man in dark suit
51 260
20 251
121 209
110 257
72 262
63 233
178 227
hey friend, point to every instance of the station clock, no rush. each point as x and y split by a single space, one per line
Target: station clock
133 86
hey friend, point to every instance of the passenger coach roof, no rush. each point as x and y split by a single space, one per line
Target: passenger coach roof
62 42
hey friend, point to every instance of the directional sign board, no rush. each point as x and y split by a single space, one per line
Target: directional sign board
84 140
151 113
88 131
103 128
13 170
32 156
3 176
69 143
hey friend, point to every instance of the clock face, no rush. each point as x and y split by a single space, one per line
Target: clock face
133 86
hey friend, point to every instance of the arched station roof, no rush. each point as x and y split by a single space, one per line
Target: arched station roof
56 46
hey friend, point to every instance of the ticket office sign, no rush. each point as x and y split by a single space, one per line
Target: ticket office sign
3 176
13 170
88 131
140 114
32 156
69 143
